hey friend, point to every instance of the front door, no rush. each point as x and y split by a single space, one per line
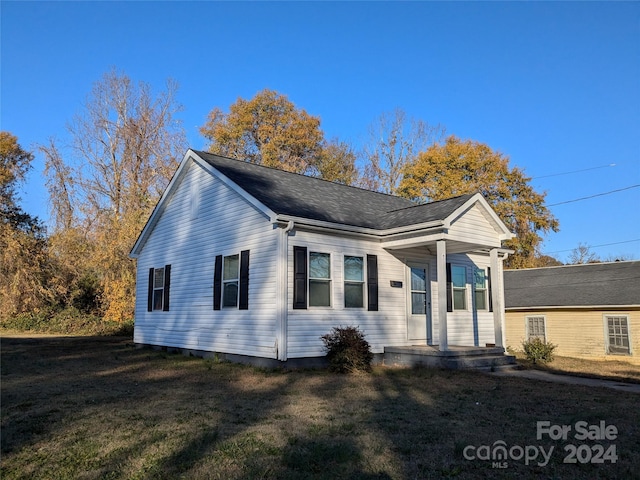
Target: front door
419 305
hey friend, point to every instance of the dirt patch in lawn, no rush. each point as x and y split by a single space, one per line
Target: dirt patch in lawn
100 408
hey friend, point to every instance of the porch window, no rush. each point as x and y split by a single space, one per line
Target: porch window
319 279
480 289
230 280
459 285
353 282
536 328
617 327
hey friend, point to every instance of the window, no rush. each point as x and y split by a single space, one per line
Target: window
159 283
480 289
617 327
459 285
319 279
536 328
418 291
353 282
230 280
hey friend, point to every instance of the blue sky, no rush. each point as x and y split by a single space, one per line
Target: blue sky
555 86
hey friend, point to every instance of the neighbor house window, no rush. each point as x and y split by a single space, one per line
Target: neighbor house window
353 282
536 328
230 280
617 327
459 285
319 279
480 289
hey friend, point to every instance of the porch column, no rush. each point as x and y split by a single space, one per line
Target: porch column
496 297
441 271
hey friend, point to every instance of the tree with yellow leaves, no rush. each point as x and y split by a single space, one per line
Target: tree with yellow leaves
456 167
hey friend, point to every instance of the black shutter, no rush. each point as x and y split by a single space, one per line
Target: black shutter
167 285
243 298
449 290
150 292
372 283
300 277
217 283
489 289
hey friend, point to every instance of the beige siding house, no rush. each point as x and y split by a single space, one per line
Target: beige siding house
589 311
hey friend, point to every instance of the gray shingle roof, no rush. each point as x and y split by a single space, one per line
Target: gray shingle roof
593 284
297 195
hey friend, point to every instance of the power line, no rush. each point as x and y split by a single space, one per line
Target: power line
574 171
595 246
593 196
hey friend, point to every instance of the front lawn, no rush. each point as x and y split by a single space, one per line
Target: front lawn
77 407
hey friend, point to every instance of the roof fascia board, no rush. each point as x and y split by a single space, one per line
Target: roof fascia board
160 206
574 307
478 198
254 202
358 230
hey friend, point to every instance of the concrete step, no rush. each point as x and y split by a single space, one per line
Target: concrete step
479 362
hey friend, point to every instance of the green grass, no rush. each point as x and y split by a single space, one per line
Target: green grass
98 408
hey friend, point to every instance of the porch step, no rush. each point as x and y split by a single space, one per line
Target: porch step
460 358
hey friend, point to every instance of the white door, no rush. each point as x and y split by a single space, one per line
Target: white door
419 304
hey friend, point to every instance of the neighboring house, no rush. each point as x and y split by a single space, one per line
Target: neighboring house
589 311
254 262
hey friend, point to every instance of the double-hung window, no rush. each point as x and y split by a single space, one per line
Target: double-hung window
159 283
459 286
353 282
230 280
480 289
617 328
319 279
536 327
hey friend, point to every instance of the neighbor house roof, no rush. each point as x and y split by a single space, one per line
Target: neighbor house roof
287 193
589 285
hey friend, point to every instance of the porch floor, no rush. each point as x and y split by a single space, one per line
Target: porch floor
456 357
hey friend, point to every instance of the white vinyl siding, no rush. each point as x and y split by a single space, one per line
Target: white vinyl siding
191 246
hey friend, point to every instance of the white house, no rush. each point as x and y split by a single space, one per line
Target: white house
256 263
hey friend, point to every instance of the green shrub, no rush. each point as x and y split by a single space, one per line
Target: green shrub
347 350
538 351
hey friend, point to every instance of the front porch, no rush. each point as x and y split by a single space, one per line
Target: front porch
455 357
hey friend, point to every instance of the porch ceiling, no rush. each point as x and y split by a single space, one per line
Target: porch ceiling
453 246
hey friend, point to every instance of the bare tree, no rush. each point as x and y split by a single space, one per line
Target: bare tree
394 143
582 254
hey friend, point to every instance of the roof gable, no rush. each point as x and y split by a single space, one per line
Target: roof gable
593 284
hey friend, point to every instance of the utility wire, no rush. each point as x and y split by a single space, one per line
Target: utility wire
574 171
594 246
593 196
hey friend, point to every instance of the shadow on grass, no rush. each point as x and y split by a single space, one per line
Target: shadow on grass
76 407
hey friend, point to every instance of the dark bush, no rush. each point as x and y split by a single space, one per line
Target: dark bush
347 350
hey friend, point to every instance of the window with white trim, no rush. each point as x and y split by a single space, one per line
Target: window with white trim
353 282
536 327
319 279
158 288
459 286
617 328
480 289
230 280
